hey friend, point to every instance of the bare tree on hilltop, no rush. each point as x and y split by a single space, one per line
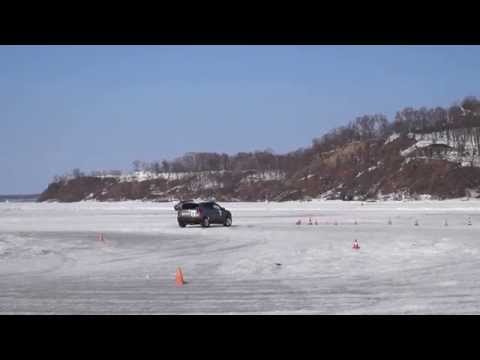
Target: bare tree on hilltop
76 173
137 165
367 129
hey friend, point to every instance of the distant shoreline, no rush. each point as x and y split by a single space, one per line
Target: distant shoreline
316 200
19 198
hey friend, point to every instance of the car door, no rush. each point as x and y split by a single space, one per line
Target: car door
219 214
210 212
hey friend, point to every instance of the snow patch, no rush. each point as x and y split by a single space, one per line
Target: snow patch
263 176
462 145
392 138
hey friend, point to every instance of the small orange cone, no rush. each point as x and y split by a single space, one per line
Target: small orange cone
179 277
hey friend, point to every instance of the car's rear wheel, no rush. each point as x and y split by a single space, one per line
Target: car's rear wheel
181 224
205 222
228 222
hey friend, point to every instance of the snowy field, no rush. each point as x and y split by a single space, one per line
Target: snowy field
52 261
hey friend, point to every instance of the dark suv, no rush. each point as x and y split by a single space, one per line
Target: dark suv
205 213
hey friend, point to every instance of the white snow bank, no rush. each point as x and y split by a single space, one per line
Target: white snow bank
392 138
462 145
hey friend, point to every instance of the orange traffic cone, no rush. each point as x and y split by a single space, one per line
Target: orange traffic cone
179 277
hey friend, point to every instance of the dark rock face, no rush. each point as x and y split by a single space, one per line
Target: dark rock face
355 170
76 189
225 187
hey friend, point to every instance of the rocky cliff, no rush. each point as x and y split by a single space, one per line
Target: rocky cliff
442 164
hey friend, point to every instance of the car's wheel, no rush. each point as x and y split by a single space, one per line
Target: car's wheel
205 222
228 222
181 224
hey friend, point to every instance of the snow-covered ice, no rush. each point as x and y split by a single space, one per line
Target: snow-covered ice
53 261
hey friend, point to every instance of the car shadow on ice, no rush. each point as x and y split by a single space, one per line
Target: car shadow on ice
219 226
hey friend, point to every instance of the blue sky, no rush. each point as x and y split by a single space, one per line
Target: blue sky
102 107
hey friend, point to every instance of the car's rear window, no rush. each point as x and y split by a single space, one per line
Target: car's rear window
189 206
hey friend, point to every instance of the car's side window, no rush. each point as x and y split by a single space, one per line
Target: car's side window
208 206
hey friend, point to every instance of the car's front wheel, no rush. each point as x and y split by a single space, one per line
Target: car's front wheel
228 222
181 224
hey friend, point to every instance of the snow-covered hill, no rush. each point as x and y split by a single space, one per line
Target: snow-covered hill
461 146
444 164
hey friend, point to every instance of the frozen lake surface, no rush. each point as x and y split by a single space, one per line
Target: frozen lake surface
52 261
